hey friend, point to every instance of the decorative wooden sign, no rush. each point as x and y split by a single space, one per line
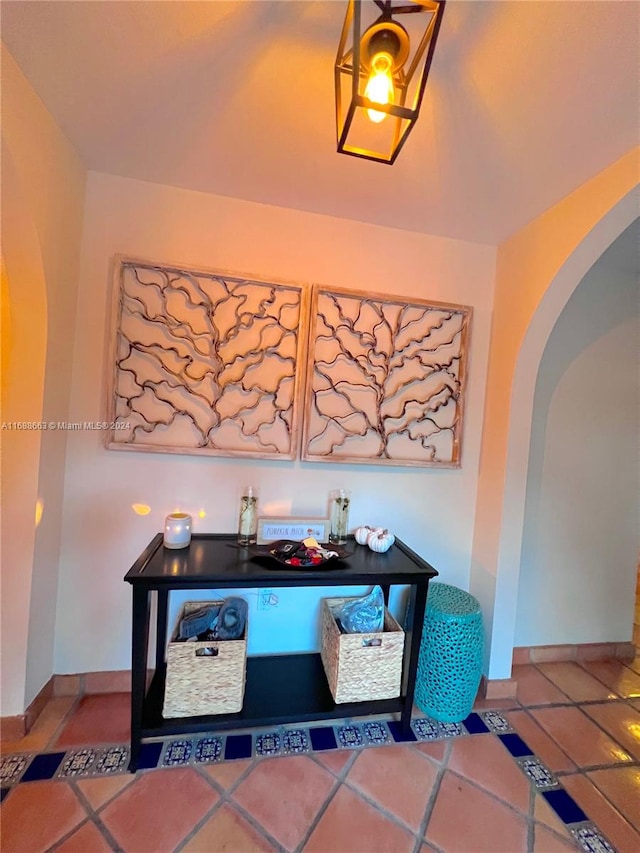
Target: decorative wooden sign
385 379
206 362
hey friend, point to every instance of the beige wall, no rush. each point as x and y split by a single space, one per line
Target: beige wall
580 544
537 270
468 526
43 198
24 352
431 509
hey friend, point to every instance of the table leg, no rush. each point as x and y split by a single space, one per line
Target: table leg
161 628
385 591
413 635
139 651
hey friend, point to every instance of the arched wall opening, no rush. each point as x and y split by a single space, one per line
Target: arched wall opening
578 565
24 314
510 502
43 191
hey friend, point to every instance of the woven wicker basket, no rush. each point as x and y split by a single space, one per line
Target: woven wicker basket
198 684
361 667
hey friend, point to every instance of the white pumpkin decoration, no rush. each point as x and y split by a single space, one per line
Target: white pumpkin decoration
362 534
380 540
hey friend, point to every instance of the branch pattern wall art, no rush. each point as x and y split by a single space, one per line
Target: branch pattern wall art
206 362
385 380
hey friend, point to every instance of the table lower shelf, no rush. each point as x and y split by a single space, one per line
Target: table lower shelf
279 689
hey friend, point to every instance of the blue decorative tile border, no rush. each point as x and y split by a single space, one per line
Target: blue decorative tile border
495 721
591 839
516 746
583 830
208 750
323 738
149 755
238 746
538 773
268 744
350 737
295 741
376 733
475 725
201 749
113 760
12 767
399 735
78 762
43 766
177 752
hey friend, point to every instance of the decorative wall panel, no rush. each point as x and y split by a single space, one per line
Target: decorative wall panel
206 362
385 379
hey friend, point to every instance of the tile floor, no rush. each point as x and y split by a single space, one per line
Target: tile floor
459 788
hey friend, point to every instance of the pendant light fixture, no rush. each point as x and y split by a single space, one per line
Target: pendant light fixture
381 72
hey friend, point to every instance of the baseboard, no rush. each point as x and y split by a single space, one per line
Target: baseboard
573 652
14 728
83 683
498 688
119 681
79 684
37 706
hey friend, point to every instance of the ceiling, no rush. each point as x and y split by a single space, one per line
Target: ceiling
525 102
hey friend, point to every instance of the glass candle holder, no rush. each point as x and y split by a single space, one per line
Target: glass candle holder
177 530
339 515
248 518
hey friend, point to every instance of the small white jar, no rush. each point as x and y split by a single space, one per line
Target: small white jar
177 530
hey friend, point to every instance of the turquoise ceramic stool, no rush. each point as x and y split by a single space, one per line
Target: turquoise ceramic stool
450 662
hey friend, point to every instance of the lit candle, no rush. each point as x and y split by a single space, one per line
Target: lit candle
177 530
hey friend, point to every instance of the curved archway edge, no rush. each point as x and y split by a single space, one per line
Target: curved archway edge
25 292
555 297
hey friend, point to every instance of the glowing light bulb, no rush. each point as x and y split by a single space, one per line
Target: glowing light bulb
379 87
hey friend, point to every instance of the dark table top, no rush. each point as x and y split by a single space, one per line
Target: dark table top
216 559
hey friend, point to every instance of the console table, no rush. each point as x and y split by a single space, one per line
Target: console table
279 688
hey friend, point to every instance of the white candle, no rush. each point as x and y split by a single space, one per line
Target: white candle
177 530
248 520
